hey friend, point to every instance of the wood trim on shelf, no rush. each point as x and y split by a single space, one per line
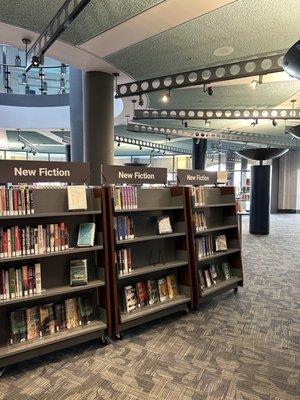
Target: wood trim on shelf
50 215
221 286
153 268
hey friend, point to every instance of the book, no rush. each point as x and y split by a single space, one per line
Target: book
77 199
164 225
33 323
213 273
16 200
200 221
86 234
201 279
152 291
162 289
207 277
221 243
125 198
172 286
226 270
86 309
60 317
124 227
198 196
18 326
38 279
141 292
78 272
71 313
130 299
47 319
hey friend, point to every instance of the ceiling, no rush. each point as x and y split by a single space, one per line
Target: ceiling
148 38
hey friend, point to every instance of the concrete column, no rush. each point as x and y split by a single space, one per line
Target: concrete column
76 115
199 153
230 157
98 121
289 182
260 200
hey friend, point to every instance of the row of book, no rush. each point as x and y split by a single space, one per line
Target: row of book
125 198
200 221
213 274
16 200
21 241
20 282
40 321
198 196
123 260
150 292
124 227
208 244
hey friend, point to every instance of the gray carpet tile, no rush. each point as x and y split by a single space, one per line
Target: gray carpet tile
236 347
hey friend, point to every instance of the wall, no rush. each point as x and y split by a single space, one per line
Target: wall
289 182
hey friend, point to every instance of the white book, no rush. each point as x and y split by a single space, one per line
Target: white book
77 197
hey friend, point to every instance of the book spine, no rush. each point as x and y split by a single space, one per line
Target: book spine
25 280
1 242
38 279
9 243
12 283
31 201
23 203
27 201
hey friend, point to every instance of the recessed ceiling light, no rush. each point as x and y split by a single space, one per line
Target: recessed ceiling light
223 51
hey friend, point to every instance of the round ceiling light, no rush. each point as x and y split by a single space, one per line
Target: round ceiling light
223 51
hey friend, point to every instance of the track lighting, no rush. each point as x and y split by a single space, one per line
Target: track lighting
18 61
63 69
208 90
141 101
254 123
164 151
185 124
168 137
256 82
152 151
141 147
274 123
118 144
35 61
207 122
166 97
197 134
24 79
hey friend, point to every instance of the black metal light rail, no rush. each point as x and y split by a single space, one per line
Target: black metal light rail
216 134
241 69
161 148
226 113
59 23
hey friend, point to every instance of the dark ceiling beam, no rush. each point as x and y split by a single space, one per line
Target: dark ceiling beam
155 146
217 73
219 114
216 135
59 23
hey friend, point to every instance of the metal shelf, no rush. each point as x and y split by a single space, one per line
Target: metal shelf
49 215
150 237
154 308
215 228
220 286
153 268
53 292
65 335
220 254
72 250
145 209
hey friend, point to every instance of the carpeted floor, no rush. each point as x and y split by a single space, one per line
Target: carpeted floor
237 347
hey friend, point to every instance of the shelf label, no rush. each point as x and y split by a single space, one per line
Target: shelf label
16 171
196 177
119 174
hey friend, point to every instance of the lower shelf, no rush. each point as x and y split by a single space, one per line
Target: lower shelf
221 286
31 345
154 308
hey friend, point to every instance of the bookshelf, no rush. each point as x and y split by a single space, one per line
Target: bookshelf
219 210
153 255
51 207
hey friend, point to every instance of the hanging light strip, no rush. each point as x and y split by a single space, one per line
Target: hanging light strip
247 113
216 134
151 145
241 69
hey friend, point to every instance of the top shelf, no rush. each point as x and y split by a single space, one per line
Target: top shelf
144 209
49 215
214 205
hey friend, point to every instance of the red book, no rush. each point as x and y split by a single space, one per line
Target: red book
141 292
25 280
15 202
17 241
62 236
5 244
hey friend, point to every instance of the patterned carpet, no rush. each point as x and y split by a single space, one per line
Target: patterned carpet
237 347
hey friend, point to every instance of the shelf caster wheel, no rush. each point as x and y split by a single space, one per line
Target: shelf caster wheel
236 289
104 341
2 371
119 336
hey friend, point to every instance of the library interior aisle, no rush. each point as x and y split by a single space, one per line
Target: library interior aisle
236 347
